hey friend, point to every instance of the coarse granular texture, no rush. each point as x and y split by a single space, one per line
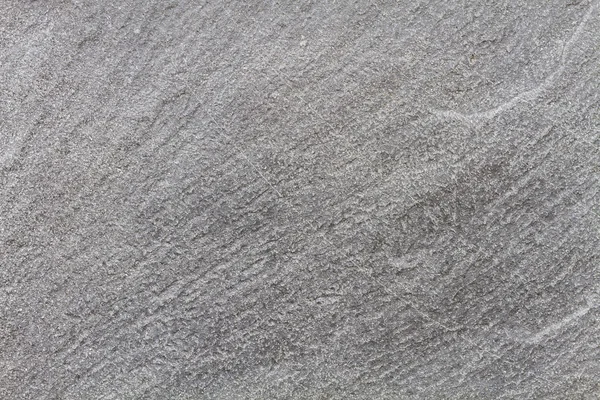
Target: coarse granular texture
299 199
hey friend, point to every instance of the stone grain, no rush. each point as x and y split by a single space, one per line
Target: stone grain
299 199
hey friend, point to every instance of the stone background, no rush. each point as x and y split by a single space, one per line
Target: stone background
300 199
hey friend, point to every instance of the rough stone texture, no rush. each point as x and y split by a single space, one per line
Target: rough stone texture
300 199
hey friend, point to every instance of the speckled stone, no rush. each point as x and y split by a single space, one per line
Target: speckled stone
300 199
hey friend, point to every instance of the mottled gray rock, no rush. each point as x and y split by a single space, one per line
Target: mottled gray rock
300 199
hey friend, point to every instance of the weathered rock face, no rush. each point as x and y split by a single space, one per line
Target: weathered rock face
299 199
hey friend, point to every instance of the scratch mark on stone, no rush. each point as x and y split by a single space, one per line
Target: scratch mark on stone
477 118
552 329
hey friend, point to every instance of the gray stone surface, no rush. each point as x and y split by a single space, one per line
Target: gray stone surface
300 199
